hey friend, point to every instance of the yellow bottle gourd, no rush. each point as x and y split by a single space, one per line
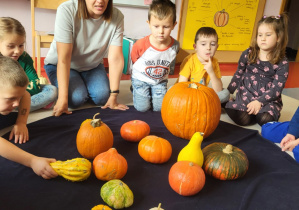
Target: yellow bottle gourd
192 151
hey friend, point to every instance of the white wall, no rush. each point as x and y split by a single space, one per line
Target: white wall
272 7
135 18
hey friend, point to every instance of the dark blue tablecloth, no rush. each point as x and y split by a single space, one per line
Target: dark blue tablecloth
272 180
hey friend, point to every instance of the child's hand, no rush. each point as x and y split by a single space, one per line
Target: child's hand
208 66
254 107
289 143
41 166
20 131
231 97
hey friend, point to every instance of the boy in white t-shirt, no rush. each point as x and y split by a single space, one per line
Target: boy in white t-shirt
153 57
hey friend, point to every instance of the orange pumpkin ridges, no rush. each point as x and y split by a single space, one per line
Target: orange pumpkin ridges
186 110
154 149
110 165
221 18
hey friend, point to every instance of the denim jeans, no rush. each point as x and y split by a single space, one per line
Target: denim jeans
223 95
146 96
92 84
47 95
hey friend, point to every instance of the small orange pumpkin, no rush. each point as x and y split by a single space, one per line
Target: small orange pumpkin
134 130
221 18
186 178
101 207
154 149
190 107
93 137
110 165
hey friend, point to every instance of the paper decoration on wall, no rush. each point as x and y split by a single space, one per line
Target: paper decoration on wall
232 19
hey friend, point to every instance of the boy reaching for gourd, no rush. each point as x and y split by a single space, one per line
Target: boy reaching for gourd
13 94
202 66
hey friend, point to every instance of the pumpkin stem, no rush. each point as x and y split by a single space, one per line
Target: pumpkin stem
96 122
228 149
191 163
159 206
192 85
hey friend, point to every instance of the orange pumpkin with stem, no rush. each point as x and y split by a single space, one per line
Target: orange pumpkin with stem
221 18
134 130
93 137
110 165
154 149
188 108
186 178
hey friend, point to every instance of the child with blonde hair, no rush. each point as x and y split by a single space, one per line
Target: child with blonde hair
12 41
153 56
261 75
13 94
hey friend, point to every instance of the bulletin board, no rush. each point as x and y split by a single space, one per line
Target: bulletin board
134 3
234 21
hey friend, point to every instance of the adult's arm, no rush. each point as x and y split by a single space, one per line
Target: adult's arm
64 51
116 64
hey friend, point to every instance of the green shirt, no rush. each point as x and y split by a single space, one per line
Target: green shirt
27 64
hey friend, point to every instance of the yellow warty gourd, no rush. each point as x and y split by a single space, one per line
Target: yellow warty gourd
77 169
192 151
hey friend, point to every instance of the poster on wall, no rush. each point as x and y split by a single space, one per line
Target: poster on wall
232 19
134 3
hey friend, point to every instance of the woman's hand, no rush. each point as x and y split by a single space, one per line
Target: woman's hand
112 104
60 108
254 107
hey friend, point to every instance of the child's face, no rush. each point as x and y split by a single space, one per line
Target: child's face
12 45
206 47
96 8
10 98
266 38
161 29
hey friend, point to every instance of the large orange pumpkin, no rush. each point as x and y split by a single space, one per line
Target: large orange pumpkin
154 149
134 130
190 107
93 137
221 18
186 178
110 165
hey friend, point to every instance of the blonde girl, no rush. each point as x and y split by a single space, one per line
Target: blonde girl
12 41
261 75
